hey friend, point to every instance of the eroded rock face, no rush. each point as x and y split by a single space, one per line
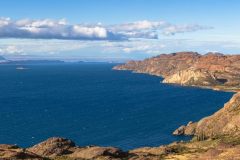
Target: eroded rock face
188 130
179 131
95 151
224 121
13 152
57 147
53 147
190 68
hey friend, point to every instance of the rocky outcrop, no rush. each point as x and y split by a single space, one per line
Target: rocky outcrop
213 70
224 122
52 147
12 152
57 148
95 151
191 77
188 130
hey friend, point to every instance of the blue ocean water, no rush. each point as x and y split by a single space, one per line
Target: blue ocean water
92 104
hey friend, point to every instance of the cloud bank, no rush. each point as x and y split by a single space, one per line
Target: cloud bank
61 29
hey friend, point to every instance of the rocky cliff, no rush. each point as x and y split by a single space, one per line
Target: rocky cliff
212 70
225 122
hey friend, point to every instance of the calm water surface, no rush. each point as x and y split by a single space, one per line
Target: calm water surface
92 104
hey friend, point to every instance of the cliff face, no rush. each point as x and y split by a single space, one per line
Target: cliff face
190 68
225 122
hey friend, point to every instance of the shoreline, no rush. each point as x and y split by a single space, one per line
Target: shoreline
215 88
211 137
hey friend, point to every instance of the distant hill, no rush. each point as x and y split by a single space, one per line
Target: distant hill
212 70
19 62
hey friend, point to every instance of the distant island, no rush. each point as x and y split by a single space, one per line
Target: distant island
215 137
30 61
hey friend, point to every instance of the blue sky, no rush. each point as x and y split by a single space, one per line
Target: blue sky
117 29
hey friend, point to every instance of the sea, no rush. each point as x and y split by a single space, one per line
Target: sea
92 104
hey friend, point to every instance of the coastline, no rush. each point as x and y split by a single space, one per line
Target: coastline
213 137
215 88
57 148
223 125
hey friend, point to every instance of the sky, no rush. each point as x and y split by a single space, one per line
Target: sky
117 29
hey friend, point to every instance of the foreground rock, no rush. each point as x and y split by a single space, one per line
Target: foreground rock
212 70
56 147
13 152
60 149
53 147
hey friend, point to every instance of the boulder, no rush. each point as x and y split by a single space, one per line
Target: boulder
187 130
52 147
179 131
95 151
13 152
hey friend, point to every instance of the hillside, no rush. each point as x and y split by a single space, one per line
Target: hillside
212 70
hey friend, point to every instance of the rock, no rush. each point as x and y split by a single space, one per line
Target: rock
224 122
144 151
62 147
8 146
191 77
95 151
13 152
190 129
53 147
180 130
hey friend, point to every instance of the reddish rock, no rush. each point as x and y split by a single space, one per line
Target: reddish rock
53 147
190 68
95 151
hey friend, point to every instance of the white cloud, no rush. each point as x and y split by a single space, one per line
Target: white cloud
60 29
139 25
97 32
132 48
11 49
149 29
151 47
173 29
